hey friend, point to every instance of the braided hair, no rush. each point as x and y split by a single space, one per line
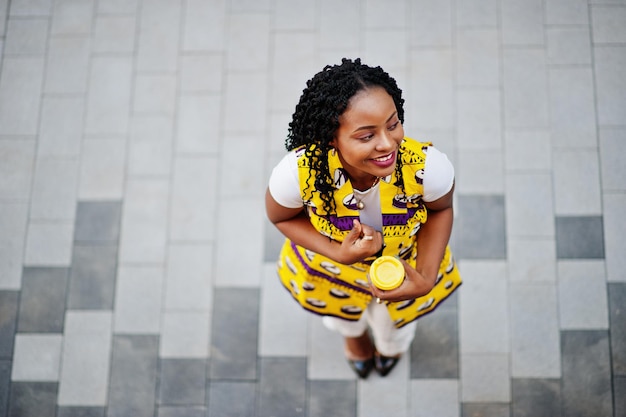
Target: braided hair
316 118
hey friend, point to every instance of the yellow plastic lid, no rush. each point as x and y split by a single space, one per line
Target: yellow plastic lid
387 273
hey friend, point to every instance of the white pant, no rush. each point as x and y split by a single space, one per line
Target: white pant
389 340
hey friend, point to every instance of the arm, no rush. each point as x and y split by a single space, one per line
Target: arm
295 225
432 240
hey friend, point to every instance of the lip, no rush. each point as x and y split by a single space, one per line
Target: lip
387 160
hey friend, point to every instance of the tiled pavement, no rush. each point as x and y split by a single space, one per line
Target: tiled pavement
136 264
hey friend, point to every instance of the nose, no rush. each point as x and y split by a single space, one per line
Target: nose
386 141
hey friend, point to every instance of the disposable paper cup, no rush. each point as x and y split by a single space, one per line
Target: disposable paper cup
387 273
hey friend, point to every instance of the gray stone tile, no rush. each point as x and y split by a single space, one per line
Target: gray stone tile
527 150
151 146
435 397
61 126
246 93
132 387
37 357
484 239
240 158
529 217
619 392
332 398
484 409
20 94
586 382
610 65
480 172
81 412
522 22
114 34
92 277
477 13
54 189
536 398
582 280
338 25
614 229
584 182
98 222
385 396
8 321
13 219
188 277
197 129
301 15
607 23
234 338
435 349
185 334
282 387
568 45
26 36
155 94
70 17
181 412
5 383
205 24
567 12
479 60
579 237
531 260
485 378
30 8
118 7
42 301
49 243
387 46
67 68
231 399
478 120
182 382
16 171
273 242
612 169
617 301
431 24
249 39
138 299
159 36
201 73
33 399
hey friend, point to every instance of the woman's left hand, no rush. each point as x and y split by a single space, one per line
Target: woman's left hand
414 285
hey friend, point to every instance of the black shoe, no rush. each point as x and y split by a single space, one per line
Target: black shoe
384 364
363 367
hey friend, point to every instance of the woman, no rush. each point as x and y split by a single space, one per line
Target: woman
353 188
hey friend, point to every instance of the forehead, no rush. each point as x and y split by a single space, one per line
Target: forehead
369 103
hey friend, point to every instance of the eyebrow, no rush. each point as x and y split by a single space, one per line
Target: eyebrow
372 126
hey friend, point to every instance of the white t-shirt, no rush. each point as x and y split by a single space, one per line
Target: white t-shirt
284 185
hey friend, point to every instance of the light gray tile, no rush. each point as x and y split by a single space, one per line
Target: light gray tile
118 7
20 95
568 45
390 394
86 345
238 6
201 73
138 299
339 24
483 315
572 107
612 166
477 13
54 189
102 169
30 8
577 182
478 60
435 397
239 224
478 120
185 334
249 41
188 277
480 171
193 198
432 99
535 334
16 169
13 219
159 35
283 323
61 126
485 378
205 23
198 124
582 283
246 93
49 244
567 12
431 23
326 360
151 146
294 15
37 357
67 68
240 159
528 150
607 22
26 36
155 94
70 17
614 232
610 65
115 34
529 217
522 22
144 221
531 260
386 48
525 85
377 15
108 101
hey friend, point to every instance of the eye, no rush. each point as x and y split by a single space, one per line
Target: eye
366 137
393 126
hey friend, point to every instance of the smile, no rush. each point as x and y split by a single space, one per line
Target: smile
383 158
384 161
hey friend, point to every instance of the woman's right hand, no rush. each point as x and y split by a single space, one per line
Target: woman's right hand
363 241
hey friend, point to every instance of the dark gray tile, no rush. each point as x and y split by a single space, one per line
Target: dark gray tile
231 399
182 382
33 399
485 410
332 398
435 349
92 277
181 412
273 242
619 389
479 227
586 374
282 387
617 318
5 382
234 336
42 303
579 237
132 386
98 221
536 397
8 322
80 412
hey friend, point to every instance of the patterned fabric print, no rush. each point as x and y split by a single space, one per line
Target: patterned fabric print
326 287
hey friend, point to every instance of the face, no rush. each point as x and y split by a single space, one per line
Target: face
368 137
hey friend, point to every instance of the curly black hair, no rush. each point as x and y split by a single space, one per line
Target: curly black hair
316 118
